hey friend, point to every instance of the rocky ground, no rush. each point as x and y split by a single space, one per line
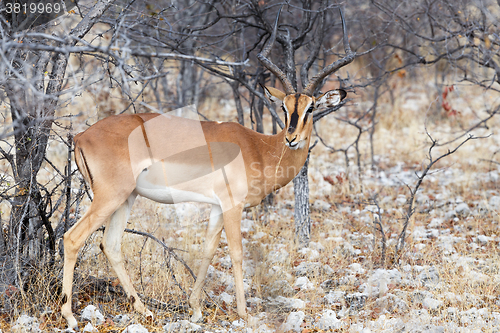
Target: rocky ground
446 278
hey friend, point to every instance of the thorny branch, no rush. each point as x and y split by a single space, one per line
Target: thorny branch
378 227
420 178
171 253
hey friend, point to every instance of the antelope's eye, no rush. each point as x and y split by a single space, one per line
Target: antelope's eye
311 109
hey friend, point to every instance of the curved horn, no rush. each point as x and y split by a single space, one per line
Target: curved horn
349 57
262 56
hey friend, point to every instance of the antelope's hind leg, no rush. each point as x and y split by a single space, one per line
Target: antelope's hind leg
111 246
214 230
74 238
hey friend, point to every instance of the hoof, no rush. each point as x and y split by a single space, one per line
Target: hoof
72 325
148 315
196 317
252 321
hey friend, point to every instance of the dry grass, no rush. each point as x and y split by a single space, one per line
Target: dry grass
342 235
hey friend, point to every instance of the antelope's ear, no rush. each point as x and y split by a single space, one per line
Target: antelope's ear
274 94
330 98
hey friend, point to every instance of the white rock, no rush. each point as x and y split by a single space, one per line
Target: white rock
259 235
304 283
239 323
92 314
225 262
278 256
401 200
316 246
310 254
281 287
263 328
377 283
247 225
26 324
121 319
254 301
392 304
294 321
419 233
496 319
182 326
420 316
446 243
462 210
431 303
90 328
335 297
478 278
429 278
449 215
327 270
356 268
297 303
386 325
483 239
135 328
422 199
469 317
435 222
284 302
358 328
329 320
356 302
494 202
321 205
372 208
225 297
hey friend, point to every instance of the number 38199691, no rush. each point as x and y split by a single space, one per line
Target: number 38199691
33 8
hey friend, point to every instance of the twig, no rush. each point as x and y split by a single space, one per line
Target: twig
169 249
411 210
377 225
111 52
171 252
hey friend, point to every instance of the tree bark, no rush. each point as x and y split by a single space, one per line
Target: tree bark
32 110
187 85
302 211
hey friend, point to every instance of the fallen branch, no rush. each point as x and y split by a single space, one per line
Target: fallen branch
169 249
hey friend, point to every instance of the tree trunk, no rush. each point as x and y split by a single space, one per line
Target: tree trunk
32 112
187 86
237 101
301 214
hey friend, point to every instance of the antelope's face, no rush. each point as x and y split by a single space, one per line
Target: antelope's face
298 109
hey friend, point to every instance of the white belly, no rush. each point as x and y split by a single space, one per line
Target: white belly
151 183
215 176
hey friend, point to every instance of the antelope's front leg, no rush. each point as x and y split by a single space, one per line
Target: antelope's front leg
232 225
212 238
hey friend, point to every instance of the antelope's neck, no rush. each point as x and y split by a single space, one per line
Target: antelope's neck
280 164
